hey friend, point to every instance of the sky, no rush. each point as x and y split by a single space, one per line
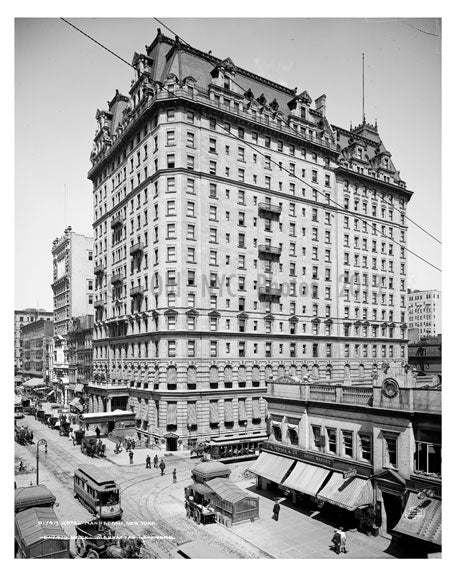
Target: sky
61 78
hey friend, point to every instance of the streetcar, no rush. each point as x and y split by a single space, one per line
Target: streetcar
98 492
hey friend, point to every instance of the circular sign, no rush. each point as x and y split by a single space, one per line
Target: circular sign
390 388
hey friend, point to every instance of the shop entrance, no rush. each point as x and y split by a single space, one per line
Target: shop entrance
111 425
393 509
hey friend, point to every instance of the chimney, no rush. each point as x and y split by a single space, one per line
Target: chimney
320 104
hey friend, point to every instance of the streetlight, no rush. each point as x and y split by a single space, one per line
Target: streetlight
38 444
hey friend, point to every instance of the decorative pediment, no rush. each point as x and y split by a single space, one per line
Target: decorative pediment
293 318
302 98
328 321
214 314
315 320
269 317
242 316
287 380
262 100
170 312
192 312
249 95
391 476
226 65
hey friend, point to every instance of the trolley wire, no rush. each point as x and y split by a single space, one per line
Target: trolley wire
248 144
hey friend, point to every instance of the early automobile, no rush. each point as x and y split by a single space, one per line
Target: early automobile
23 435
97 540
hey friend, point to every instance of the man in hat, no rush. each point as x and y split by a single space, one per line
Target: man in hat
162 467
276 510
155 461
148 462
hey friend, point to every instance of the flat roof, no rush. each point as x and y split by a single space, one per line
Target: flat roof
98 475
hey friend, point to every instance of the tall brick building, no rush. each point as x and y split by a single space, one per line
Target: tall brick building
238 237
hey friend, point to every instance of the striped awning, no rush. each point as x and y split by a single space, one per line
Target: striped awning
242 411
256 408
422 519
79 388
171 414
229 411
191 414
348 493
306 478
214 412
271 467
76 403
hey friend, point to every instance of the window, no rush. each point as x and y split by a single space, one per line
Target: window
213 145
318 439
213 348
390 451
171 348
347 443
331 436
365 447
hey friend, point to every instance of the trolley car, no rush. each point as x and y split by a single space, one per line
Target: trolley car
98 492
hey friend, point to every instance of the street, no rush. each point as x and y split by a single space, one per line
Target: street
151 508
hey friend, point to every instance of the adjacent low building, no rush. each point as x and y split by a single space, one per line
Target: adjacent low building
426 356
359 452
36 340
21 318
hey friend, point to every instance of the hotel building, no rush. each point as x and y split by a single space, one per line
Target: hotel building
238 237
425 312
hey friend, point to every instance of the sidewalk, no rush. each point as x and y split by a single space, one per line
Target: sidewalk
140 455
296 535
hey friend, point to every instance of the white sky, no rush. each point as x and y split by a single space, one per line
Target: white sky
62 78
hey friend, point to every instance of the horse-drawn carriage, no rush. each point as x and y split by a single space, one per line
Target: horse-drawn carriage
64 426
92 446
97 540
52 422
23 435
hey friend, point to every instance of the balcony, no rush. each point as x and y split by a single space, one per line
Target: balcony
269 210
98 303
98 269
117 279
268 293
117 221
269 252
137 248
137 291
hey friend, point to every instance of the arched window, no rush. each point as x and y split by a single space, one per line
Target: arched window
347 371
191 377
328 372
304 371
281 371
242 376
213 377
361 371
228 376
171 377
293 370
268 372
315 372
256 376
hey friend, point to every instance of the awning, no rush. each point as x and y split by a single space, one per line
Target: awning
50 393
76 403
33 383
79 389
256 414
306 478
422 519
171 415
229 411
271 467
191 414
348 493
214 413
40 524
227 490
242 411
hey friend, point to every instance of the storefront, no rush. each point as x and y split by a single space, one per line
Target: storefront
318 479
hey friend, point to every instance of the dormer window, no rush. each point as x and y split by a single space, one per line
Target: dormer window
360 152
227 83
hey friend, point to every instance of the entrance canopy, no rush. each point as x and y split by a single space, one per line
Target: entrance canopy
76 404
33 383
306 478
271 467
422 519
348 493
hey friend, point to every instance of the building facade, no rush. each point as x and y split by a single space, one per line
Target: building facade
36 338
21 318
80 354
426 356
239 237
425 312
72 286
348 449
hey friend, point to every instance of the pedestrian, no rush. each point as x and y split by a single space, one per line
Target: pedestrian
162 467
131 456
155 461
336 540
97 432
343 540
276 511
133 444
148 462
21 466
174 476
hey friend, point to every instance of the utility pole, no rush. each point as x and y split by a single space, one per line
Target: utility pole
38 444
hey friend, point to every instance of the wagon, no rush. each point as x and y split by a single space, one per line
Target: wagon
38 534
78 435
197 504
23 435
